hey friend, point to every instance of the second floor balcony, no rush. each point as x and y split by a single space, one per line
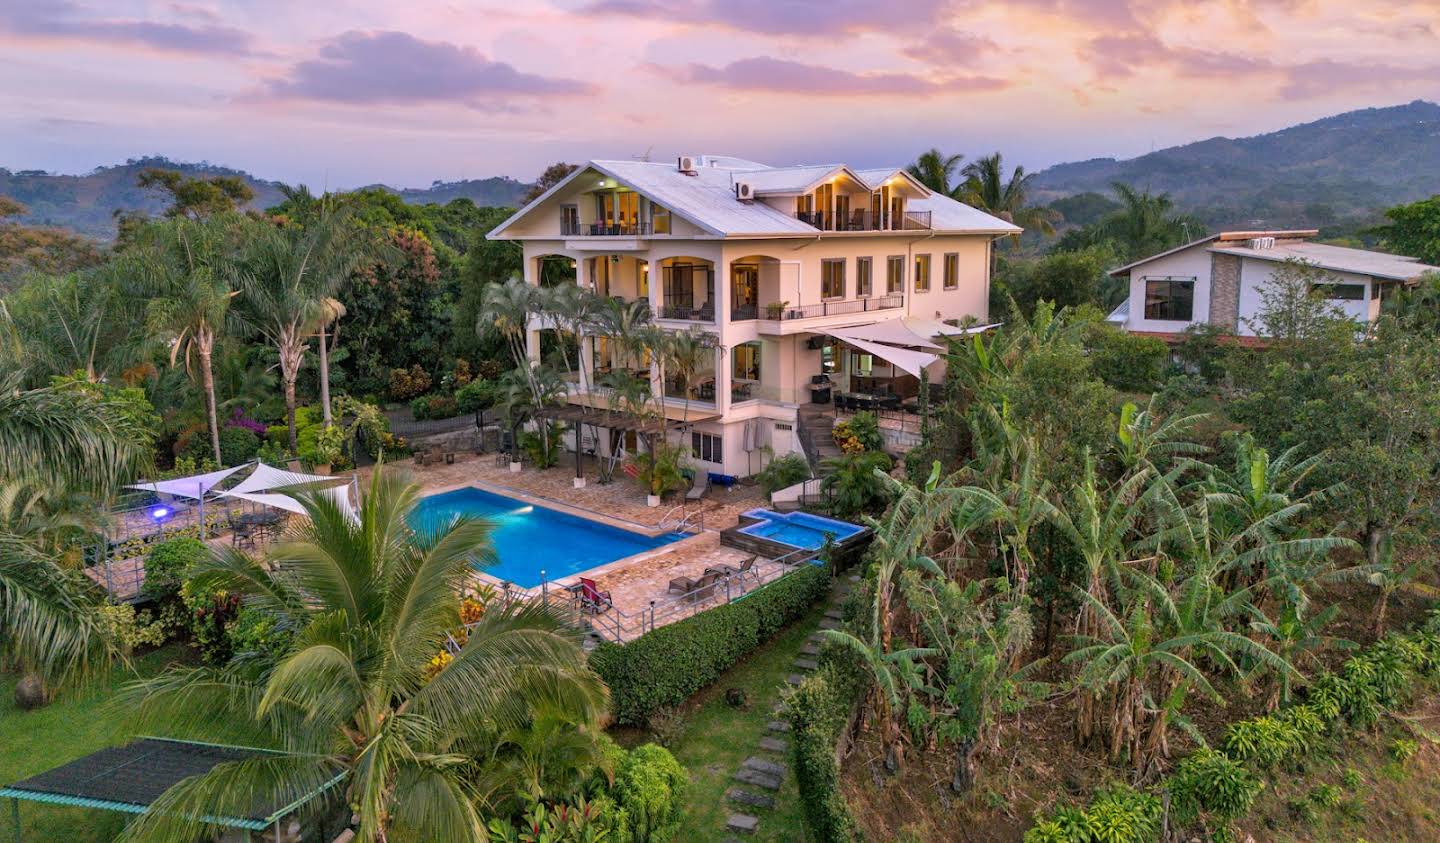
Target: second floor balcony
783 312
864 219
575 228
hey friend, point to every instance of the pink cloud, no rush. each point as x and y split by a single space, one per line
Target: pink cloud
790 77
60 19
783 17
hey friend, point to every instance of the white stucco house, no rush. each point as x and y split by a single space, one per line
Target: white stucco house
796 272
1217 280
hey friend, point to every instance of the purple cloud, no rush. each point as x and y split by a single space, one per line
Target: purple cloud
1317 78
949 47
361 68
789 77
783 17
1122 56
63 19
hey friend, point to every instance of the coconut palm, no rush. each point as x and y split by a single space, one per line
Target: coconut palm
687 354
986 188
353 697
189 272
935 170
1146 223
89 322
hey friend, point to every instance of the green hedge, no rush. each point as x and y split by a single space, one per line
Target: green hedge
818 711
664 667
1126 361
1213 788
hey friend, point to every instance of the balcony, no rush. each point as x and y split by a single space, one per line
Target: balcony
836 308
744 311
688 313
572 228
864 220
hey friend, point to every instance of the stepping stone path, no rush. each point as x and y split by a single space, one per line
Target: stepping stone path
764 774
776 745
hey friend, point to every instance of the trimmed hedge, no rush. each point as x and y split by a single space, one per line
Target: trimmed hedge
818 711
664 667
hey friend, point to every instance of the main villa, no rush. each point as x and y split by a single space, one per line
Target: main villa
815 281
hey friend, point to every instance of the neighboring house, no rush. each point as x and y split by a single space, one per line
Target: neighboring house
795 271
1217 279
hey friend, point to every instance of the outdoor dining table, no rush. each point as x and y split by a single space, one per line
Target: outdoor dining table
258 519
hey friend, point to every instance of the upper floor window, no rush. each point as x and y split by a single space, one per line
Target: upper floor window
1170 299
1339 292
832 278
952 271
922 273
659 219
895 274
862 276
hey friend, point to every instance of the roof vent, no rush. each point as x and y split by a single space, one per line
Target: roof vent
687 164
1262 243
744 191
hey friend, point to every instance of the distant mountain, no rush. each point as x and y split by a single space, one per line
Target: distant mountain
87 203
1345 167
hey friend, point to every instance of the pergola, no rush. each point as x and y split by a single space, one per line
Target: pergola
618 421
130 778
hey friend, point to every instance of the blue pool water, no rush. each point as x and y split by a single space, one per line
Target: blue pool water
529 539
798 529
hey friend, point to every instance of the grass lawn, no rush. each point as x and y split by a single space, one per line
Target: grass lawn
76 724
717 738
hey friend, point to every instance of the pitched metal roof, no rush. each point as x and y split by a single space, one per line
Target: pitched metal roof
707 198
1336 259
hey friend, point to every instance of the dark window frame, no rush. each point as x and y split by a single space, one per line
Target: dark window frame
951 271
865 276
894 281
1326 291
1169 308
705 445
928 263
825 265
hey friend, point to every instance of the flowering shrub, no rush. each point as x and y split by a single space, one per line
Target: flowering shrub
122 625
239 419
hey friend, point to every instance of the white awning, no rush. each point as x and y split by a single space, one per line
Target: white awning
905 359
890 332
193 487
289 504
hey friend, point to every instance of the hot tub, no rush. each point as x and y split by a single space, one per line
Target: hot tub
800 530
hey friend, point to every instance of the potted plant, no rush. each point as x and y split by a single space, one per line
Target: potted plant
329 448
661 473
776 309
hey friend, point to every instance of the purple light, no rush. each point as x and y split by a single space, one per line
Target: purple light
160 513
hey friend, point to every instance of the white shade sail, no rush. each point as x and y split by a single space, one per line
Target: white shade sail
193 487
905 359
890 332
289 504
266 478
935 328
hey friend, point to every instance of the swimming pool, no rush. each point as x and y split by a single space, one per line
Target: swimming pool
798 529
529 538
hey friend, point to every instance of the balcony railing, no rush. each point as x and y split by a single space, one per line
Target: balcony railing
742 312
690 313
570 228
864 220
837 308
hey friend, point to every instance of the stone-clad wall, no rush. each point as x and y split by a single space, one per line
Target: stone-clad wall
1225 292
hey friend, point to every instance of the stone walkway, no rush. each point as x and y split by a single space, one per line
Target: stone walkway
760 776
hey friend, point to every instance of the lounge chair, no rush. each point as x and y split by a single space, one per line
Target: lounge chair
699 486
592 599
746 567
704 588
681 585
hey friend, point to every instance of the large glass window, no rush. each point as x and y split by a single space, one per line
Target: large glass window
952 271
659 219
895 274
1170 299
862 276
745 361
832 278
922 273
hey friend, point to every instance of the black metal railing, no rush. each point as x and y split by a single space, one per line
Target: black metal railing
836 308
864 220
571 228
743 311
704 313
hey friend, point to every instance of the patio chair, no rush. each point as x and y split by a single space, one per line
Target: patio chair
681 585
592 599
436 454
704 588
739 573
698 487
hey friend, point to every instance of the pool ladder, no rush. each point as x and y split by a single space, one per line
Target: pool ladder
693 522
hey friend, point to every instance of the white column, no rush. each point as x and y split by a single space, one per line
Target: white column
532 337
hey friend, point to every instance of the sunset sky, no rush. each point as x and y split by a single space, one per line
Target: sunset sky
348 92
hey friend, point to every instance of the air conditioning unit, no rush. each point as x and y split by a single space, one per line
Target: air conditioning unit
687 164
744 191
1262 243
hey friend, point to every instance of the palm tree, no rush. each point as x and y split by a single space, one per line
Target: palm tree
83 322
331 311
934 169
985 188
373 601
286 276
1146 223
687 354
192 295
